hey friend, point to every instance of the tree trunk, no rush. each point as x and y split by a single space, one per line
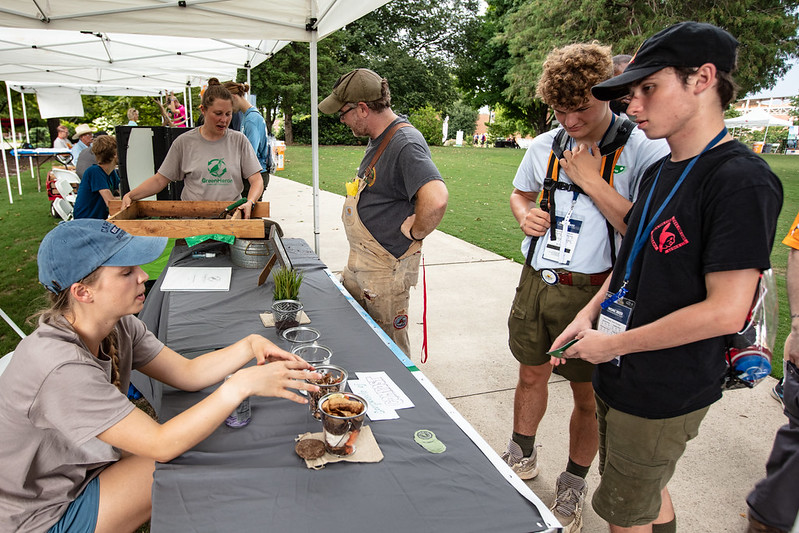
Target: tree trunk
288 132
52 127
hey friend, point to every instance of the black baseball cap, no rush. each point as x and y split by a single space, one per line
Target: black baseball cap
687 44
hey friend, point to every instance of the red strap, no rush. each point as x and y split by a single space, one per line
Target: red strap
424 314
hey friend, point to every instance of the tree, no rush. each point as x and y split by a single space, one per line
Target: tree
483 62
534 28
462 117
283 82
429 123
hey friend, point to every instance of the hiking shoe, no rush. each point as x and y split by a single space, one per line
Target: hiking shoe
525 467
568 507
776 392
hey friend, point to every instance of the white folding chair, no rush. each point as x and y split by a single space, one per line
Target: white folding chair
64 180
64 208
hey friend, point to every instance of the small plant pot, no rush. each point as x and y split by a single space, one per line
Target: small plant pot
334 378
286 314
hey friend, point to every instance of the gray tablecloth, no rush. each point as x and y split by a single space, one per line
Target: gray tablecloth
250 479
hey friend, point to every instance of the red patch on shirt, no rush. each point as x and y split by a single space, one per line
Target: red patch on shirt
667 236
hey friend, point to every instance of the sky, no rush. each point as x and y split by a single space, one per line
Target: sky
786 87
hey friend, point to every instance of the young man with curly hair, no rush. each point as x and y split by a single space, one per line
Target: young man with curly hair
587 173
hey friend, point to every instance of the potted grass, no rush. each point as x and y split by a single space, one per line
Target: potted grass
286 307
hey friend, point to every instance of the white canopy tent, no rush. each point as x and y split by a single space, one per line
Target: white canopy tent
288 20
70 63
757 118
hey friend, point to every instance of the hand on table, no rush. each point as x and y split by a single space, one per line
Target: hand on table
275 380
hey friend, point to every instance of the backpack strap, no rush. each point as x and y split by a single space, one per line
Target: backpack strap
618 134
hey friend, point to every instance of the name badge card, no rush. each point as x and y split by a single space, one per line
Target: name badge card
562 249
615 317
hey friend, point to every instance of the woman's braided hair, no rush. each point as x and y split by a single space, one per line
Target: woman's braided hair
60 307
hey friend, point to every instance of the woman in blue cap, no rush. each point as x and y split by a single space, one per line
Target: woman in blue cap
76 454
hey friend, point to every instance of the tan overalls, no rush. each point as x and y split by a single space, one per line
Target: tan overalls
374 277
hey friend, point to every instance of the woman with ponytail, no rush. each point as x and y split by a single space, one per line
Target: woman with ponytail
77 456
253 125
212 161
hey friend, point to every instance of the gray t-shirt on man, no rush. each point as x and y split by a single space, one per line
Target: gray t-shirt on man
55 398
400 172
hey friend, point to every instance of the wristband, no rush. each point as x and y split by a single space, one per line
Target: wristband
410 232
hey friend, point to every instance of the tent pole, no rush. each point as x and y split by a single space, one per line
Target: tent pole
191 109
315 135
13 135
5 166
28 140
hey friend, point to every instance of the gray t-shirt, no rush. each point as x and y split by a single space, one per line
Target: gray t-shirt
402 169
210 170
55 398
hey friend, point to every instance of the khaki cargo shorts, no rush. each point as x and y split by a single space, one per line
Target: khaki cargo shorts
637 457
540 312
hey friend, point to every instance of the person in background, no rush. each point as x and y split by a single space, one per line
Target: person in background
587 172
619 106
62 142
100 182
83 134
133 116
177 112
86 157
685 276
773 504
77 455
211 160
253 126
396 201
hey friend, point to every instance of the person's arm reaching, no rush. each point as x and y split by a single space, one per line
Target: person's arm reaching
152 185
723 311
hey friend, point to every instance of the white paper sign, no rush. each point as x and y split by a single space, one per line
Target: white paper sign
386 390
377 411
197 279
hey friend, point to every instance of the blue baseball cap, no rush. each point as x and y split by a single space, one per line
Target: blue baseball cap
75 249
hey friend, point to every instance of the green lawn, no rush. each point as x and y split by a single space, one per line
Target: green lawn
479 182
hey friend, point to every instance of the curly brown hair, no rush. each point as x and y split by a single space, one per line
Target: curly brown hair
570 72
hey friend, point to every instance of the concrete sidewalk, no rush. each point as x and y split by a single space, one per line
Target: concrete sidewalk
469 293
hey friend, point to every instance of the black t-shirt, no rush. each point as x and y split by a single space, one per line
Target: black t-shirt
722 218
400 172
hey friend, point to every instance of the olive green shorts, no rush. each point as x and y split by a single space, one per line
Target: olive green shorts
637 457
539 314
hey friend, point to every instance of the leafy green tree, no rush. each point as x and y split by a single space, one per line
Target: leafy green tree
429 123
509 43
534 28
283 82
464 118
794 111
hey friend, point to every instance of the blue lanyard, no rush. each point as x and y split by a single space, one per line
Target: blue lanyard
644 231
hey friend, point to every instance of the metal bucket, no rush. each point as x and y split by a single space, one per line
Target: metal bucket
249 253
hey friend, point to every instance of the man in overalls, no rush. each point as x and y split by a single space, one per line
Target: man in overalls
396 200
587 173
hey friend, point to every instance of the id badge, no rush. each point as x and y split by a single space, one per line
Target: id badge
561 250
615 318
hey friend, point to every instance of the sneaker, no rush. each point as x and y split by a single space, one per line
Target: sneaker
525 467
568 506
776 392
